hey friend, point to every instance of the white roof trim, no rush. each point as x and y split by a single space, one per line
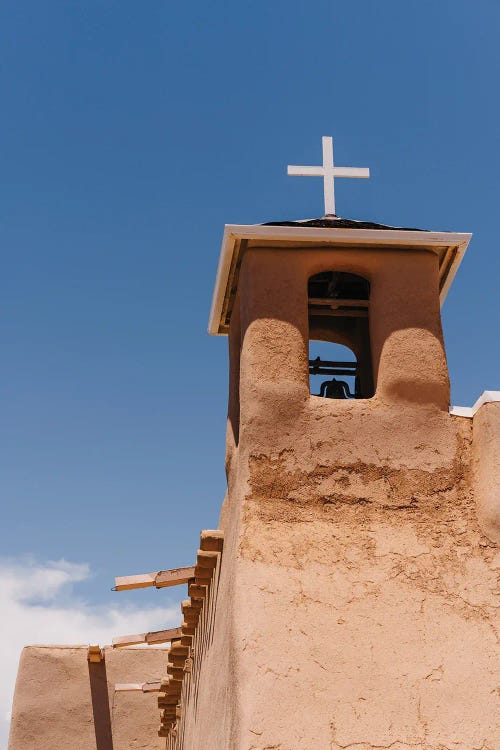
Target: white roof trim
487 397
371 237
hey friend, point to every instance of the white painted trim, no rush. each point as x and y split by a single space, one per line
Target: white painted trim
487 397
402 238
225 257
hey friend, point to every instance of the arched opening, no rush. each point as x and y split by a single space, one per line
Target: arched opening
329 361
339 308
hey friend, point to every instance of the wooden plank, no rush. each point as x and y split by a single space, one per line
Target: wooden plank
174 688
167 700
203 576
178 649
129 640
174 577
167 715
191 613
177 661
95 654
212 540
206 559
163 636
160 579
126 583
143 687
152 687
152 638
192 619
196 592
192 604
128 687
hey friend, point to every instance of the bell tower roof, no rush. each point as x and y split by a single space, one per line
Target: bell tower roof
330 232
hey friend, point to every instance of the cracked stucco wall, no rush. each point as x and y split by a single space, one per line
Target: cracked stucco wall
358 600
359 595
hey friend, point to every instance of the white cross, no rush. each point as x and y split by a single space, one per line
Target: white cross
328 172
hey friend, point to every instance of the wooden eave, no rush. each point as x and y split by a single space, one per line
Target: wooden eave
449 246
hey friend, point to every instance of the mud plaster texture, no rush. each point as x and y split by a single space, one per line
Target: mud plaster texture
61 701
358 596
357 601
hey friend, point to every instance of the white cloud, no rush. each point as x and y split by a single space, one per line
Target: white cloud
38 604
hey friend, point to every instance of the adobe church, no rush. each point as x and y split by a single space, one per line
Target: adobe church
349 597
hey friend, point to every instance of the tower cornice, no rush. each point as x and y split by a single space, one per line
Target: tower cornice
449 246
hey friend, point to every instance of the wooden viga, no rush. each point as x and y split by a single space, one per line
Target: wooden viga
185 653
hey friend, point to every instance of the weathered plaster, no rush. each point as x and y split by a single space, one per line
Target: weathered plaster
358 600
62 701
486 452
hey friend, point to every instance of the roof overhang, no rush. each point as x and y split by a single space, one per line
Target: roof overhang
449 246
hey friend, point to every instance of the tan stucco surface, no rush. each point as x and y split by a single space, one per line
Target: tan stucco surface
63 701
358 598
358 602
486 451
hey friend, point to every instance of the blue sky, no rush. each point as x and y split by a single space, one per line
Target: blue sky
129 134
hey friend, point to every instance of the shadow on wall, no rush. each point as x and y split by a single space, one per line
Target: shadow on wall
100 705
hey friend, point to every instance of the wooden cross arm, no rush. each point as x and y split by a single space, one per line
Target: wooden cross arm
160 579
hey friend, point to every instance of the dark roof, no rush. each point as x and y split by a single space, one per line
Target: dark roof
335 222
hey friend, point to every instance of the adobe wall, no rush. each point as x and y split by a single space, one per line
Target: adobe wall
63 701
357 603
356 609
486 454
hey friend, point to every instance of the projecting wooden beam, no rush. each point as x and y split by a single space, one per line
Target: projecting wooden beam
156 636
163 636
129 640
212 540
125 583
160 579
143 687
152 687
95 654
174 577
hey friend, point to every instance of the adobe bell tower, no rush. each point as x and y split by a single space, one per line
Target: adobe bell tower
375 289
355 604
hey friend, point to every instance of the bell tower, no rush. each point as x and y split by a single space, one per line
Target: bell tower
374 288
351 518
